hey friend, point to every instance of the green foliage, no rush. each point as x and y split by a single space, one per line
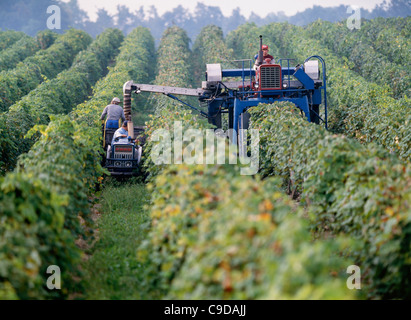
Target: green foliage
361 191
70 157
391 37
106 276
174 67
43 204
218 235
46 64
210 47
166 119
6 144
173 59
32 237
25 47
362 57
9 37
22 49
46 38
245 42
213 234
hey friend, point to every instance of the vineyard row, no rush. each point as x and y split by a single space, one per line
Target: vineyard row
42 200
45 64
57 96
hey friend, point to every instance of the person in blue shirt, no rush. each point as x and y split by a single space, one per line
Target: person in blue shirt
121 133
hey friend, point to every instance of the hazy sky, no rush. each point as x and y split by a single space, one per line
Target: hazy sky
261 7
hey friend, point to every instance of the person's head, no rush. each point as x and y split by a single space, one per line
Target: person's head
125 125
265 50
115 101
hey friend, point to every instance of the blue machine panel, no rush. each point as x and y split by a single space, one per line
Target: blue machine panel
307 82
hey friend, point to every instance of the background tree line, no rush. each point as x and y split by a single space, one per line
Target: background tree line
30 16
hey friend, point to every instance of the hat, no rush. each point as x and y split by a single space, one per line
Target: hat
265 47
116 100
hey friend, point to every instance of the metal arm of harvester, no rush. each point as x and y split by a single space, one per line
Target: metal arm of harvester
130 87
209 87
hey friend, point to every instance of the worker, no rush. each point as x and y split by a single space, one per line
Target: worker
114 113
266 57
121 133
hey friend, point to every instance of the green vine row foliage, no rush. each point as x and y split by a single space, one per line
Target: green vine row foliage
166 120
390 37
58 96
209 47
359 109
362 57
31 234
46 64
25 47
174 67
395 46
245 42
358 190
218 235
374 27
51 188
9 37
46 38
22 49
136 61
40 206
66 160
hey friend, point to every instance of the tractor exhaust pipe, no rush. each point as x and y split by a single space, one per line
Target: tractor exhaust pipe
260 52
127 107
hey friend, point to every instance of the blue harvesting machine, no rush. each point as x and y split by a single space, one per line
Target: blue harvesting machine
234 91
